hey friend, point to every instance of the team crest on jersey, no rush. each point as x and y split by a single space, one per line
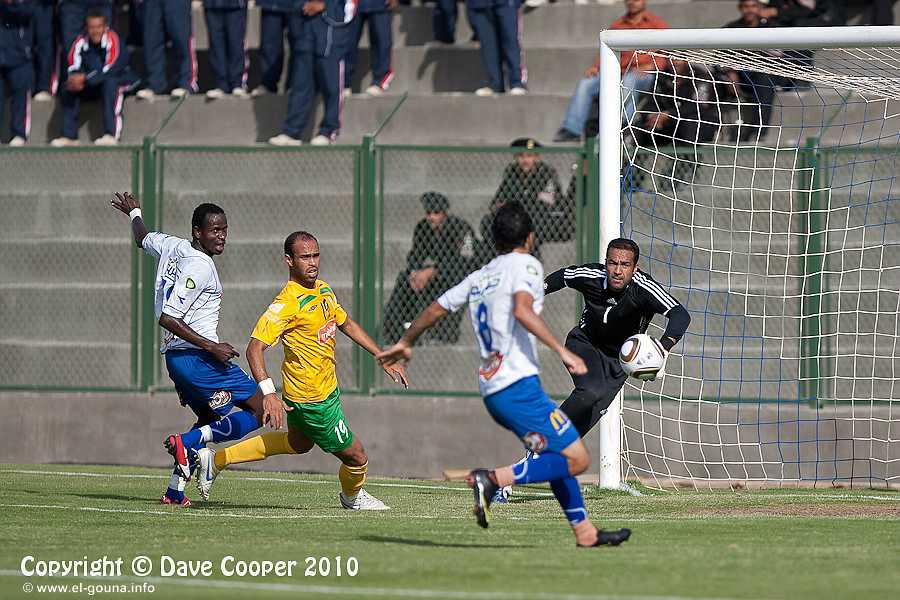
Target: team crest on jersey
189 284
560 421
220 399
327 331
535 442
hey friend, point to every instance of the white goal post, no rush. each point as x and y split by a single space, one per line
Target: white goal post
756 170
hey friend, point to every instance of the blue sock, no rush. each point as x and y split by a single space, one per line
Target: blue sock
175 491
568 494
540 468
233 427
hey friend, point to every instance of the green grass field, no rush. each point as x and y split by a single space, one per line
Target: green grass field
763 544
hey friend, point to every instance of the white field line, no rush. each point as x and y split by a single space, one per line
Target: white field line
359 591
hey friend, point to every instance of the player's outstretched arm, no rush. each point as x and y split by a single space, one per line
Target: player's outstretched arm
523 311
273 408
352 330
678 321
129 205
402 350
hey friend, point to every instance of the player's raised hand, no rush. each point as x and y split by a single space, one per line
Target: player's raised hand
273 411
125 202
573 362
399 352
223 352
397 373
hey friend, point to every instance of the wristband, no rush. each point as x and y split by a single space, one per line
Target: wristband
267 386
135 213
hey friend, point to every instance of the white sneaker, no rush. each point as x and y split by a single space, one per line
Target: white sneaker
62 142
484 91
145 94
374 90
17 142
178 93
206 471
106 140
240 92
363 501
213 94
258 91
42 97
282 139
320 140
346 92
535 3
518 91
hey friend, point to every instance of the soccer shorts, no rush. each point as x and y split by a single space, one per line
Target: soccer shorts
322 422
526 410
204 384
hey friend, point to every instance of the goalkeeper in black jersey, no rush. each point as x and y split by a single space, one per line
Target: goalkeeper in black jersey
619 302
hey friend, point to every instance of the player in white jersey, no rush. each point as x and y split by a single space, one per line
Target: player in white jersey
187 298
505 298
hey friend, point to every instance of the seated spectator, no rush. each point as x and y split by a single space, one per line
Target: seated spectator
637 75
15 64
534 184
496 23
226 26
441 256
379 14
72 14
97 69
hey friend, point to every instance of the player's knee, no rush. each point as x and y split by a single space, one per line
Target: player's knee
300 443
355 455
579 460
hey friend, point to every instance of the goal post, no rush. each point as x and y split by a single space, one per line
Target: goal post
756 169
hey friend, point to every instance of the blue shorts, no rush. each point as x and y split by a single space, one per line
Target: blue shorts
204 384
526 410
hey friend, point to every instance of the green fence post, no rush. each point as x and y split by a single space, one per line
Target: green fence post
592 251
148 267
813 257
369 294
135 279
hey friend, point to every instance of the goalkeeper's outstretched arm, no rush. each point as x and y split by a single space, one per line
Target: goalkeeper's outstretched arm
679 320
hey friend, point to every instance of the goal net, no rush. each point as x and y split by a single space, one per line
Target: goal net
758 176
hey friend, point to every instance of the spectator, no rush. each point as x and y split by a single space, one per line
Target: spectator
16 70
496 23
72 14
320 36
883 12
168 19
443 21
803 13
44 48
441 256
97 68
637 76
276 17
379 14
226 25
534 184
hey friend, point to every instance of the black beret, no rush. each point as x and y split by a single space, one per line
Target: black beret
526 142
435 202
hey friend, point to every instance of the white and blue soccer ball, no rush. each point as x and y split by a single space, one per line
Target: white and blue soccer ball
642 357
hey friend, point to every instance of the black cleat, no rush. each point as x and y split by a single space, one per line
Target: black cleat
611 538
484 488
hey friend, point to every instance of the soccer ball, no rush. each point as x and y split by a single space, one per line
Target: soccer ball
642 357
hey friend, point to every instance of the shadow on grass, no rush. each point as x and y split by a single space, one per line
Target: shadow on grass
430 544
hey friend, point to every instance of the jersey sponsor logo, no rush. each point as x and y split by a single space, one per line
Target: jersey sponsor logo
327 331
534 441
189 284
220 399
485 286
490 365
171 272
560 421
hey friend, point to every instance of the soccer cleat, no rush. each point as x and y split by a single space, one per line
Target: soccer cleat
175 447
502 495
166 500
282 139
363 501
484 489
611 538
206 471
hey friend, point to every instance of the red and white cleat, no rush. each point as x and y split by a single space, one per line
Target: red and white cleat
166 500
175 447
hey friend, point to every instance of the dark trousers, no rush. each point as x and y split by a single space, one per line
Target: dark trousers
272 27
227 29
497 28
380 46
110 93
312 75
16 81
595 390
405 304
169 19
45 76
443 21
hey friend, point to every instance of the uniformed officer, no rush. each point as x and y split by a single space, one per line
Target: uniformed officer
274 20
168 20
226 25
496 23
16 70
379 14
44 48
320 36
442 254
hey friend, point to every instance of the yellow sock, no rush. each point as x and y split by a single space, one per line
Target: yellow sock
256 448
352 479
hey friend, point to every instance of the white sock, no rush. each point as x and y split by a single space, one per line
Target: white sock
206 434
176 483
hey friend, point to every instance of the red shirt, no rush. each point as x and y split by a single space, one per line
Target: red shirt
645 20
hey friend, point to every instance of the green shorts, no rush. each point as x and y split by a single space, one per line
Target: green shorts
322 422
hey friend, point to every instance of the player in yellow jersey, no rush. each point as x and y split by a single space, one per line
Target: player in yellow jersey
305 315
